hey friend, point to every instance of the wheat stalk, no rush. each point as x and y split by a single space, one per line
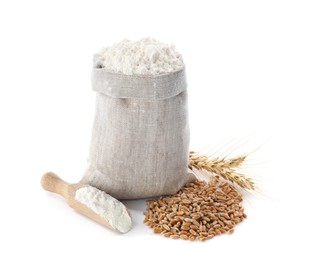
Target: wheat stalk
223 167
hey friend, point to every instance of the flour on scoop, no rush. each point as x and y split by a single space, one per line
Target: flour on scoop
109 208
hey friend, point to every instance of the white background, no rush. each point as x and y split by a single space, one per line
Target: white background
252 69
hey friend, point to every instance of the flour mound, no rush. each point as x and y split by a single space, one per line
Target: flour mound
144 57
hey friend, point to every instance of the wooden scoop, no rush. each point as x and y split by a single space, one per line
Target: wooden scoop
53 183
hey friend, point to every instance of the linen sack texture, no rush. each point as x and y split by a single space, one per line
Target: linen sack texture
140 138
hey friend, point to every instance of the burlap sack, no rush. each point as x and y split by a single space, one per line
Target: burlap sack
140 139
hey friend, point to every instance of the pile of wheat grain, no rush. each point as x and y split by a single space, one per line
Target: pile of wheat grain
198 211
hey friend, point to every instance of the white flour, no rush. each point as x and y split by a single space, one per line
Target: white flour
146 56
109 208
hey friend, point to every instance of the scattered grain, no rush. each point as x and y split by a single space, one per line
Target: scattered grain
216 212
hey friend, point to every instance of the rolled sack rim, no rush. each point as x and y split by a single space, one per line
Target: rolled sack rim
149 87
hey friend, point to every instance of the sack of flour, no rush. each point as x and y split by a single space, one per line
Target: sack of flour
140 138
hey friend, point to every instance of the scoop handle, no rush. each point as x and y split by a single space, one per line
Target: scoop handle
53 183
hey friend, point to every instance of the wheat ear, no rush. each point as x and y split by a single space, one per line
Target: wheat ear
222 167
